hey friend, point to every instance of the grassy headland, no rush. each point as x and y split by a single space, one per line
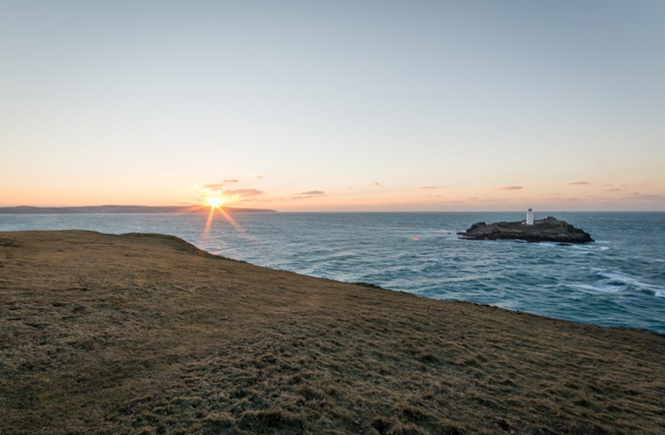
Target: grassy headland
147 334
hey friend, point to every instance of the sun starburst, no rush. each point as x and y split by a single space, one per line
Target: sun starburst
215 201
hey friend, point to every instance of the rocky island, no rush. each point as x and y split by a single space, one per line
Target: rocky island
549 229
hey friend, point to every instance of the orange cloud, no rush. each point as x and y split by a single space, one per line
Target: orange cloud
210 186
207 190
580 183
510 188
311 192
214 187
428 187
243 193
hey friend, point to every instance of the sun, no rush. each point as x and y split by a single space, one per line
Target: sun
215 201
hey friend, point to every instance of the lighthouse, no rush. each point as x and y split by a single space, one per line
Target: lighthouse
529 217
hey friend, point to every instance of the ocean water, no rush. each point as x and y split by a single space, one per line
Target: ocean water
619 280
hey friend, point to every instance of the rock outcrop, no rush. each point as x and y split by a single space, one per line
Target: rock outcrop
544 230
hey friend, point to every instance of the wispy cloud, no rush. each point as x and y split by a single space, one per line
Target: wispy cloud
376 183
510 188
428 187
580 183
214 187
646 196
207 190
209 186
243 193
311 192
563 199
258 175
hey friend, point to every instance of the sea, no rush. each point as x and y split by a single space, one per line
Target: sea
618 280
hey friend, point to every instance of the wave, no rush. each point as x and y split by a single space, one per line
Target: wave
629 281
617 282
590 248
600 288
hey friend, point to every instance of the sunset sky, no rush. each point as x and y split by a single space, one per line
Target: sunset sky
334 105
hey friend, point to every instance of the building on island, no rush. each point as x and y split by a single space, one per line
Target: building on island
529 217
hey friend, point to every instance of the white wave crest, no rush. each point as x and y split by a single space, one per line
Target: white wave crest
616 282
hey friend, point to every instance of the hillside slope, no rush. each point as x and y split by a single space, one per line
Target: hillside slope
147 334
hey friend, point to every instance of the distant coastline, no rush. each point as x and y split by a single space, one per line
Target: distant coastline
25 209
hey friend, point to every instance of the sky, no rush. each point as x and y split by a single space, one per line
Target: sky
334 105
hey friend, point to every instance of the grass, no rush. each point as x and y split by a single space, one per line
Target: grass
146 334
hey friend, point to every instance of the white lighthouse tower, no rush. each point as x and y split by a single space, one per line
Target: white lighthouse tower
529 217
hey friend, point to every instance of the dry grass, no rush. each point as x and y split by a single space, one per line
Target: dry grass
146 334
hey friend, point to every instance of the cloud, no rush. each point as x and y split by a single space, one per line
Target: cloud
616 189
209 189
580 183
376 183
214 187
428 187
210 186
312 192
646 197
258 175
215 190
510 188
243 193
562 199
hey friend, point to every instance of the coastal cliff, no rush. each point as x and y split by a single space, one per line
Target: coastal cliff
145 333
549 229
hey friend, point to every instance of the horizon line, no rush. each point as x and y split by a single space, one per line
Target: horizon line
202 208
